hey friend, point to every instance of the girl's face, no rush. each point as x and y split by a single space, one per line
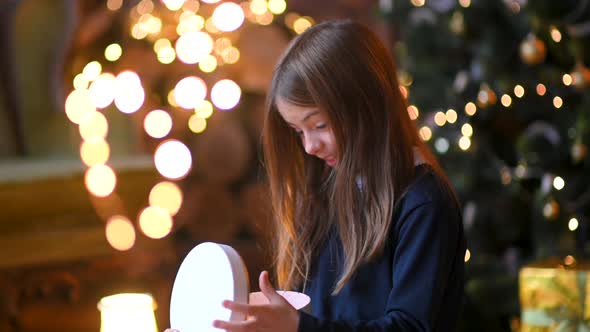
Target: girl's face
313 128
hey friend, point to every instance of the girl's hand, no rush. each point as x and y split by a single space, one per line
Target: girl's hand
278 315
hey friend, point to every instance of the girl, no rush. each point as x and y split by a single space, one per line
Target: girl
367 223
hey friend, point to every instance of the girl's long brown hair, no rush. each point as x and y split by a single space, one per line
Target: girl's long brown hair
342 68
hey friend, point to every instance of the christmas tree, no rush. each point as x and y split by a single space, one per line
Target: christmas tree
501 91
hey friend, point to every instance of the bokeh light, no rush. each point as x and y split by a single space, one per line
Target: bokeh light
102 90
277 7
558 183
145 7
464 143
228 16
467 130
173 159
440 118
555 34
155 222
189 92
80 82
208 64
79 104
519 91
441 145
166 195
166 55
557 102
100 180
221 44
94 152
114 4
139 31
230 55
92 70
152 24
171 99
425 133
190 22
94 127
225 94
470 109
120 233
451 116
265 19
467 252
210 26
157 123
301 24
173 5
193 46
191 5
197 124
413 112
113 52
204 109
506 100
129 94
258 7
161 43
573 224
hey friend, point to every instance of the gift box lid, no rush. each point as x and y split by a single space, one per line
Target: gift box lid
209 274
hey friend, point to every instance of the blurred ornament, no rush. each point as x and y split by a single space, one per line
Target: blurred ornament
532 50
476 69
405 78
457 23
580 76
461 81
486 96
579 152
538 145
514 5
551 210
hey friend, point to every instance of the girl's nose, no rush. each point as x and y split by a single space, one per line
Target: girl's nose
312 146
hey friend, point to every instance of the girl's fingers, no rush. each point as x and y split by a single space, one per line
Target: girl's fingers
267 288
234 326
247 309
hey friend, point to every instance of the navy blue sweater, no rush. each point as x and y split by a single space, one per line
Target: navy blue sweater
415 285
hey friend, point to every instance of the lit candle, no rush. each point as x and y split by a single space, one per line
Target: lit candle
127 312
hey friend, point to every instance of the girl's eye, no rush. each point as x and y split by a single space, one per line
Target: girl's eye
321 126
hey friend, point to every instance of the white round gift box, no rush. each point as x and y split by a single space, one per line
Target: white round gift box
209 274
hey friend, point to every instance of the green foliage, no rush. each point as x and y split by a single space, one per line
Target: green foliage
513 214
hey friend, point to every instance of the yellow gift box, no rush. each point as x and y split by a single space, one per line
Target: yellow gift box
554 296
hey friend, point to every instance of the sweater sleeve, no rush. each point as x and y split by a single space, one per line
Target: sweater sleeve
428 242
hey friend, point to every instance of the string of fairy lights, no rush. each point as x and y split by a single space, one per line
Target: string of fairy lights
195 33
201 34
532 51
